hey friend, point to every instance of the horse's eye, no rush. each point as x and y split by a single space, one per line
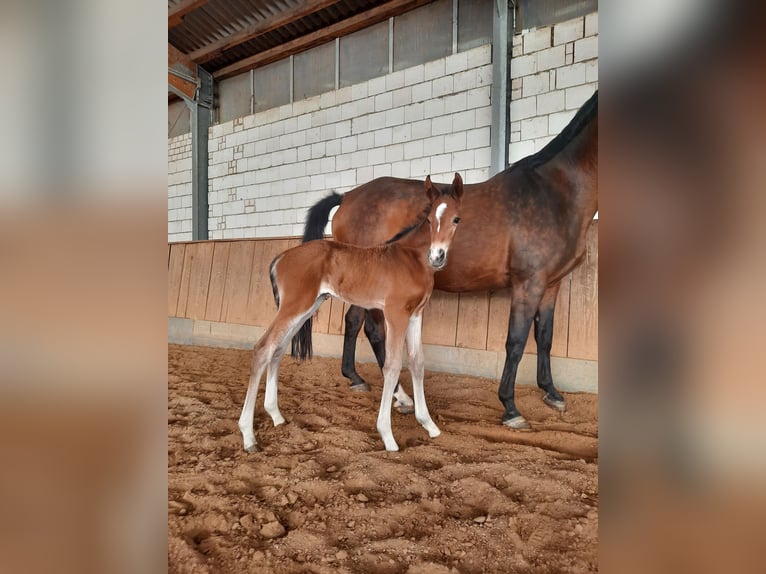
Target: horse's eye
456 220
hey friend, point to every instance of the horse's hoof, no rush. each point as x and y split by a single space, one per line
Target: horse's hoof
517 423
557 404
361 387
253 448
405 409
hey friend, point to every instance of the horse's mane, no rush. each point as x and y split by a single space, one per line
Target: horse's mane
557 144
421 219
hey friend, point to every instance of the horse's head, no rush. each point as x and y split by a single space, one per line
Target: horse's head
443 216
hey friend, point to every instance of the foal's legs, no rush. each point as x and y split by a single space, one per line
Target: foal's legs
544 339
396 327
260 360
525 299
374 328
417 366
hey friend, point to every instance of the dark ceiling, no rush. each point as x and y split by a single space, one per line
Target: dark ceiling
228 37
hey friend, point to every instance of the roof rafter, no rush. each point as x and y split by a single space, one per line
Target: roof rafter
282 18
177 13
347 26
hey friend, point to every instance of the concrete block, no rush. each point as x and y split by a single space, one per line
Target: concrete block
442 162
455 103
479 56
402 97
414 75
568 31
376 86
366 140
484 75
433 145
394 153
464 81
402 133
537 39
382 170
534 128
482 159
376 121
400 169
455 142
395 81
478 137
479 97
578 95
463 160
383 137
535 84
569 76
521 150
483 117
420 167
464 120
456 63
591 24
523 65
384 101
421 129
365 174
434 69
413 149
558 121
441 125
421 92
591 71
550 58
551 102
342 129
376 155
395 116
442 86
523 108
414 112
433 108
586 49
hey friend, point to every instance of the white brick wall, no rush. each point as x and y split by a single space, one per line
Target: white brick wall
179 188
553 72
268 168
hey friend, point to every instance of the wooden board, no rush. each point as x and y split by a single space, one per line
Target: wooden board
499 311
472 320
583 303
261 305
217 280
237 288
183 290
337 317
175 268
440 319
201 261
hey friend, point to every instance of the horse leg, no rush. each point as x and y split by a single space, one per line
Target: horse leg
544 339
396 328
354 320
374 328
261 358
417 367
270 401
524 303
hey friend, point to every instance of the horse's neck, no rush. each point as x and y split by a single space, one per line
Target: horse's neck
579 162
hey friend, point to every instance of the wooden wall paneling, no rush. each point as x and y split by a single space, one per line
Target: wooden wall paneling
472 320
175 268
183 290
261 305
217 280
199 279
440 319
337 317
237 288
583 303
499 311
561 319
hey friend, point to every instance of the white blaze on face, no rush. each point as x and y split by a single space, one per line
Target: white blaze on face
439 212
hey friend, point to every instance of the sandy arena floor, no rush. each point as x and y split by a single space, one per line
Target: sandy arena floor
323 496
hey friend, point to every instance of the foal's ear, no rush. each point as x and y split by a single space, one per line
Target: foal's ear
431 191
457 186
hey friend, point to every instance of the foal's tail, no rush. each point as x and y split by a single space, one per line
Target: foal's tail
318 216
316 221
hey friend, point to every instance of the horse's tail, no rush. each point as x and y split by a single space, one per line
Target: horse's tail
318 216
316 221
273 277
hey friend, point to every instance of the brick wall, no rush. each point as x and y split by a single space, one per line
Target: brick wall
179 188
268 168
554 70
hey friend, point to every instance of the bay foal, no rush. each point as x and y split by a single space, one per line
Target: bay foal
397 278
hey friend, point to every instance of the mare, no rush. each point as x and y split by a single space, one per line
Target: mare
524 228
396 277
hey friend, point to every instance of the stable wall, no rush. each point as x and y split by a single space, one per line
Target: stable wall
219 293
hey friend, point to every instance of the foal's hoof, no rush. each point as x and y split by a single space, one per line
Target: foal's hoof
557 404
361 387
253 448
405 408
517 423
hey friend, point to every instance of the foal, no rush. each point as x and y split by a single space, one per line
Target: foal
397 278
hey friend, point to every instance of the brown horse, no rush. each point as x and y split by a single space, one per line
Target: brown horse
524 228
397 278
